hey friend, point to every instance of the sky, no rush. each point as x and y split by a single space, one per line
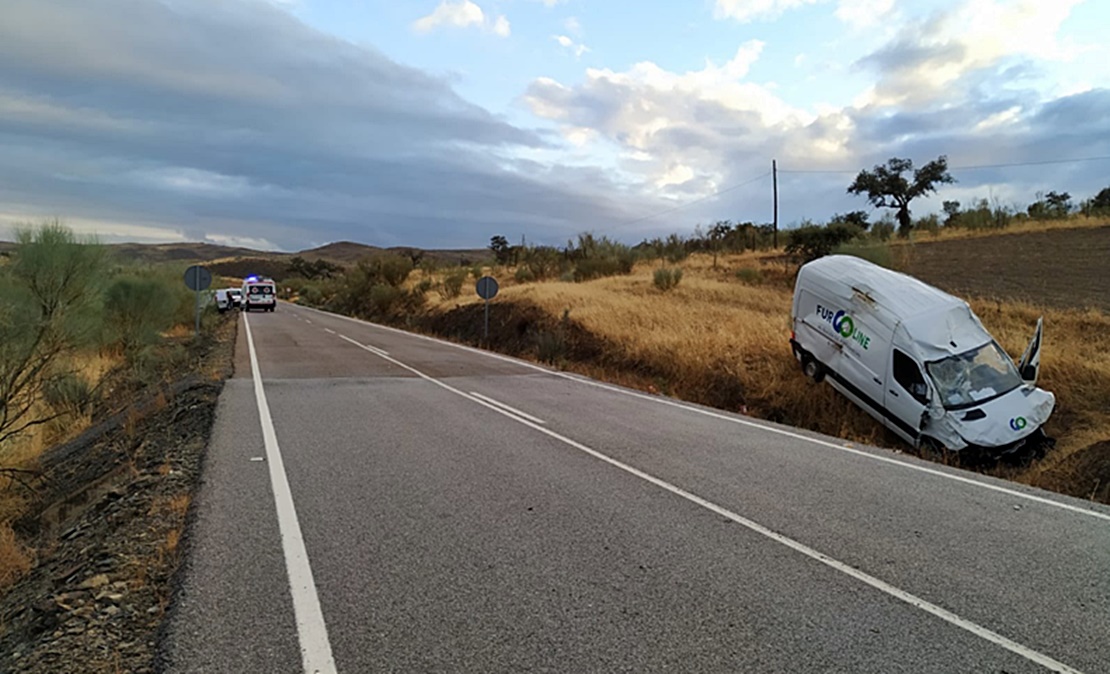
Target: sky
289 124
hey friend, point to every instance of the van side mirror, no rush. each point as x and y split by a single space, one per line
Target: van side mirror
1028 373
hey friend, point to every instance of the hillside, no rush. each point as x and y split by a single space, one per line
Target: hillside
340 252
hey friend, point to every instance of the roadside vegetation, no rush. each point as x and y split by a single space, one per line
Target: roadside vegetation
80 333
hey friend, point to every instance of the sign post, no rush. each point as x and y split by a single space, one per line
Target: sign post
487 290
197 278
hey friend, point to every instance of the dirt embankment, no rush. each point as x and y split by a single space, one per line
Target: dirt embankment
1064 268
106 527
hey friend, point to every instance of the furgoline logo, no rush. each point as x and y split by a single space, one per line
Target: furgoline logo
844 325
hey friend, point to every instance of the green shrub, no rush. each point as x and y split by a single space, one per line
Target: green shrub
524 275
666 279
930 223
384 298
68 393
452 284
138 309
750 275
810 241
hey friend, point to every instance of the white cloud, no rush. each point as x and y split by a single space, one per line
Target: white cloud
933 54
749 10
552 3
573 26
863 13
463 14
567 43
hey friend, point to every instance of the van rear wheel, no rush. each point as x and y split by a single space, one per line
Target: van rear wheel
812 369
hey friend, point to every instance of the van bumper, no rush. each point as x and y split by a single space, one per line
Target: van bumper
1033 445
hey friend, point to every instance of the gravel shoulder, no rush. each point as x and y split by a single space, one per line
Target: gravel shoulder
108 527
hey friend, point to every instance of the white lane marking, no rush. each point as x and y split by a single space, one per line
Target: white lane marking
508 408
902 463
329 331
308 321
911 599
372 349
315 648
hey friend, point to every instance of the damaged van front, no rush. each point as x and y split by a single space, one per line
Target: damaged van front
982 404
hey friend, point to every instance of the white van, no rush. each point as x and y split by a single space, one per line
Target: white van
917 359
259 293
227 298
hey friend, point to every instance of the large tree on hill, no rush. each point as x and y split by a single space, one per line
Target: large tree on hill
887 187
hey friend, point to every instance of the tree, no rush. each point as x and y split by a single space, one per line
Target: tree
501 248
1051 206
49 306
857 218
886 187
951 213
717 234
1101 201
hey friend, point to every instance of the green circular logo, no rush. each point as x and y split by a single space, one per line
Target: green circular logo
847 326
1018 423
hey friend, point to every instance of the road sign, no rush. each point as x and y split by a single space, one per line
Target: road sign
487 288
198 278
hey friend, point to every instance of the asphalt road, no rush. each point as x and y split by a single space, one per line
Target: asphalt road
401 518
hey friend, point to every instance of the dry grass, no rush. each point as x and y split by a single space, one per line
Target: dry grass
1021 227
15 559
23 453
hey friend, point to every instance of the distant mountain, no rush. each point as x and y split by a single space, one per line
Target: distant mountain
340 252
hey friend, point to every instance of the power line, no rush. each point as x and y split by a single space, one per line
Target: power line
695 201
969 167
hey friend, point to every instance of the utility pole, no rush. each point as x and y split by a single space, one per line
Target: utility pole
775 183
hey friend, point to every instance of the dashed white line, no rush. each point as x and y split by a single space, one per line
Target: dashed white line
329 331
884 587
316 653
902 463
508 408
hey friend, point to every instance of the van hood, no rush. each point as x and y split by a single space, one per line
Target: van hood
1001 421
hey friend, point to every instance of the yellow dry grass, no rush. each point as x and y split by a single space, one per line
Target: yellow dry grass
1020 227
23 453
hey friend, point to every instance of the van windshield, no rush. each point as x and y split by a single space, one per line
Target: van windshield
974 377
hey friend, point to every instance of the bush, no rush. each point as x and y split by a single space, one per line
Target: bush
810 242
524 275
384 298
68 393
138 309
930 223
666 279
750 275
452 284
598 267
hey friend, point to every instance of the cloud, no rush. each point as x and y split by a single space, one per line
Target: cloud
691 134
863 13
566 42
235 119
750 10
573 25
463 14
931 54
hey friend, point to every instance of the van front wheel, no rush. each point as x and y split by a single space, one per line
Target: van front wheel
812 369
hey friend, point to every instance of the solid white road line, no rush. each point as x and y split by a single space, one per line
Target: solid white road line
882 586
508 408
315 648
902 463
